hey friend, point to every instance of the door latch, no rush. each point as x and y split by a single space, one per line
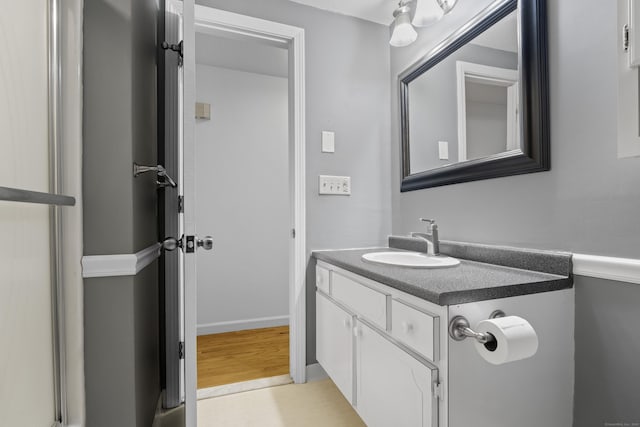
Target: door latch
188 244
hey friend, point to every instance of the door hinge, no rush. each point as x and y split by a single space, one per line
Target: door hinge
437 390
625 38
293 233
173 47
180 204
181 350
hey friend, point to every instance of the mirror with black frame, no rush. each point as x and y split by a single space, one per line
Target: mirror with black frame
476 106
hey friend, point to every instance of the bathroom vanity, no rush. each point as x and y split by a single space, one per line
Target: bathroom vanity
382 335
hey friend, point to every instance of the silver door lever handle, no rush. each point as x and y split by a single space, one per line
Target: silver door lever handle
159 169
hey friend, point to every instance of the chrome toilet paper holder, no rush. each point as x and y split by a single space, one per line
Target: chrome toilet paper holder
459 329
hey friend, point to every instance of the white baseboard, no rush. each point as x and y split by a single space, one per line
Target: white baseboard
315 373
241 325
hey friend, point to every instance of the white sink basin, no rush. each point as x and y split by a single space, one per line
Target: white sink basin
410 259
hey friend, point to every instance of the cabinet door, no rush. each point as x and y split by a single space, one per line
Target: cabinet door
334 343
393 388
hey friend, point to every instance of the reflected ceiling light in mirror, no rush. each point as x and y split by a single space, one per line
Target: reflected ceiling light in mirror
403 32
426 12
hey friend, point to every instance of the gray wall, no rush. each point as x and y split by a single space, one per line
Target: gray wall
608 344
588 202
433 105
242 183
119 127
347 70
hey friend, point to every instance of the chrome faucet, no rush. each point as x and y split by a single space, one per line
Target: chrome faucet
431 236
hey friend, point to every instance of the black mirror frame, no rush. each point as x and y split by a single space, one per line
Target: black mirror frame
536 152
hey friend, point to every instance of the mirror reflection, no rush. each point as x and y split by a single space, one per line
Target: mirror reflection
466 106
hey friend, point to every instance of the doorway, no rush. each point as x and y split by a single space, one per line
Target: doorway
242 185
199 19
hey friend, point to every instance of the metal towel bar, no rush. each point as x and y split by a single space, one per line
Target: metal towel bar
26 196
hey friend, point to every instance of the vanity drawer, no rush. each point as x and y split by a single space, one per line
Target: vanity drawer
416 328
323 279
367 302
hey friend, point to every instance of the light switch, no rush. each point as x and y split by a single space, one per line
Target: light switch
335 185
328 142
443 150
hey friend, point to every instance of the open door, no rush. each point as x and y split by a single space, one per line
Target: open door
188 179
169 215
179 128
178 217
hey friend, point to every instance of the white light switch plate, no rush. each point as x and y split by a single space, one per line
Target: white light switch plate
443 150
328 142
335 185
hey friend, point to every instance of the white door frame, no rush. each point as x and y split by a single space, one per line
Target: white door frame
214 21
485 74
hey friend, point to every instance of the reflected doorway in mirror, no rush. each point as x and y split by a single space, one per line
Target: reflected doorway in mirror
488 104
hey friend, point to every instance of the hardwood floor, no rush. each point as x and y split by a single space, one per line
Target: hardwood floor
232 357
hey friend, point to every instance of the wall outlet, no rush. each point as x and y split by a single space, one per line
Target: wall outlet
334 185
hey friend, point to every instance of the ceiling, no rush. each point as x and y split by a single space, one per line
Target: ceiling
379 11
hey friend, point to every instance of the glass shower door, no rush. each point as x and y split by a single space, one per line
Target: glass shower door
27 363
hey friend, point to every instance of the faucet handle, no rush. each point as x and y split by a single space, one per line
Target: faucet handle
431 223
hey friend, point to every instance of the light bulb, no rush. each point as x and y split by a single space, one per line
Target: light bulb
403 32
447 5
427 12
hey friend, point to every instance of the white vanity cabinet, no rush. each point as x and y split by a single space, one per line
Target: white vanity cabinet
391 355
380 350
393 388
334 343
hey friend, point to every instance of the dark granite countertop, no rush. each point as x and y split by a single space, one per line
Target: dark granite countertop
470 281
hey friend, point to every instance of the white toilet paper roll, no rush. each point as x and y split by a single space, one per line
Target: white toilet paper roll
515 338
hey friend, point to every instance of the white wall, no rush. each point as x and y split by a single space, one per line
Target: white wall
243 200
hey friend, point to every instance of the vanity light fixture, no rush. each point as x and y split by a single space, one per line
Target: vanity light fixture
427 12
403 32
